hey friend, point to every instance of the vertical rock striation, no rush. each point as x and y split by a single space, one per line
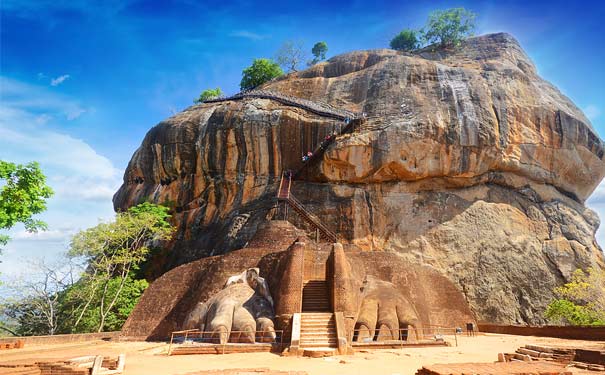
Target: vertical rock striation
468 163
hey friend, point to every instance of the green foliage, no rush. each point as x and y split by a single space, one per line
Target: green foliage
406 40
209 94
581 301
126 299
23 194
27 316
319 51
261 71
449 27
567 312
113 251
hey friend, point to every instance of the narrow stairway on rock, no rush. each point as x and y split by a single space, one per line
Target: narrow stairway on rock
315 296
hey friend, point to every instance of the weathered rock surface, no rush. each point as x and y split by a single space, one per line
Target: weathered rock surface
469 163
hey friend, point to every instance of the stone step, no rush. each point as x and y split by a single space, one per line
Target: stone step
318 340
317 334
318 323
318 344
316 315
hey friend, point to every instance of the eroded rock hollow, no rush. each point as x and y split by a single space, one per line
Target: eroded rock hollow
467 163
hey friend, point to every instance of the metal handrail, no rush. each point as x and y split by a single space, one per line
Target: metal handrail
319 108
314 220
210 338
400 331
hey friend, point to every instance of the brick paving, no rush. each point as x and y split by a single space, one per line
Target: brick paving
256 371
496 368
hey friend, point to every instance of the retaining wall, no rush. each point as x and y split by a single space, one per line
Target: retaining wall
563 332
60 339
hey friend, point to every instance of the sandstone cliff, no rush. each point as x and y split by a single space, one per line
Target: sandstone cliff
468 163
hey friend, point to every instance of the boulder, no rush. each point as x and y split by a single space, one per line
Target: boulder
467 163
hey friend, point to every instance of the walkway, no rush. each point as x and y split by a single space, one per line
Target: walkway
319 108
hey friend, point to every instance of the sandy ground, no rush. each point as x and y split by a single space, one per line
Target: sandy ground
143 358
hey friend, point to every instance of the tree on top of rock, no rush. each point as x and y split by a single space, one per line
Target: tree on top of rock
406 40
209 94
449 27
290 55
261 71
319 51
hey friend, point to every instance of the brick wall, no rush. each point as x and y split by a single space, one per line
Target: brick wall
60 339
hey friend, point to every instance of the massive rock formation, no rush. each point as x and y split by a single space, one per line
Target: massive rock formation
468 163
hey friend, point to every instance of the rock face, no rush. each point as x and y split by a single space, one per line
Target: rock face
468 163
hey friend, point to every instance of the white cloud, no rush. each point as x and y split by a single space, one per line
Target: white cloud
592 112
53 235
59 80
248 35
83 180
74 113
22 97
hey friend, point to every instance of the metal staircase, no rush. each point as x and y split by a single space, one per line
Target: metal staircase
284 195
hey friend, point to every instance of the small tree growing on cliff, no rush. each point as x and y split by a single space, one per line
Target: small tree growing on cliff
319 51
290 55
209 94
261 71
581 301
406 40
112 252
448 27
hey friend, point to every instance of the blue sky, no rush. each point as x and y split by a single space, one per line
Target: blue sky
81 82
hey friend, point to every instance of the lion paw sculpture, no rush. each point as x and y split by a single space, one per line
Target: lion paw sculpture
241 312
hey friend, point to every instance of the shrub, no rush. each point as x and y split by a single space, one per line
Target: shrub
449 27
261 71
406 40
209 94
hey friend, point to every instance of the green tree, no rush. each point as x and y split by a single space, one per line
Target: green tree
23 194
406 40
581 301
319 51
209 94
449 27
261 71
112 252
90 320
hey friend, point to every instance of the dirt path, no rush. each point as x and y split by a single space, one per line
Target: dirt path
143 358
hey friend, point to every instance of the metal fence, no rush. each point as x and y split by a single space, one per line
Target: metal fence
197 338
403 335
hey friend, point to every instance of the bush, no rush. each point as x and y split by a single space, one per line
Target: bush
261 71
581 301
405 41
209 94
449 27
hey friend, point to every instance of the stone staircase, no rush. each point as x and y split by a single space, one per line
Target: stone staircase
315 296
318 330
